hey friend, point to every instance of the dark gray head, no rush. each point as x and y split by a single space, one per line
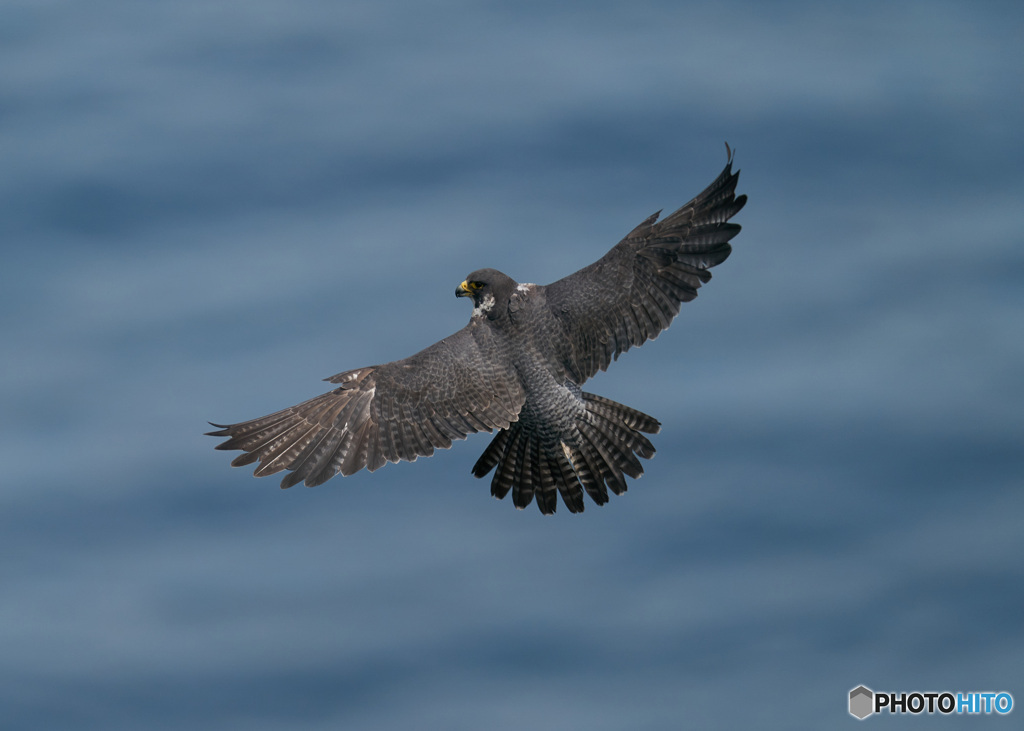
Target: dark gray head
490 290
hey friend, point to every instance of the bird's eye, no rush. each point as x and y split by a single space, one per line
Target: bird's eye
476 285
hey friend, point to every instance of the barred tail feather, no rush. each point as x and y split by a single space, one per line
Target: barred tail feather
605 451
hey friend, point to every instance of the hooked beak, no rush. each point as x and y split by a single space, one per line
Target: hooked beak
463 290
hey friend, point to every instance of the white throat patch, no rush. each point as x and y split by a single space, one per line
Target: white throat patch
485 306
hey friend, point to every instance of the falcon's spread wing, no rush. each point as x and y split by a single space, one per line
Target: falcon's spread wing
632 293
396 411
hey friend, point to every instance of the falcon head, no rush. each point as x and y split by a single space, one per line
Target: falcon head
490 290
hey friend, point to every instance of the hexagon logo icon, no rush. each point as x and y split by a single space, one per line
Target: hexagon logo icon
861 702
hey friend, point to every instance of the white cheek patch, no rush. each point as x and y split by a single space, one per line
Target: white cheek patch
485 306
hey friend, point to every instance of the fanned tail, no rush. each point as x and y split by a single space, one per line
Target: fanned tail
604 451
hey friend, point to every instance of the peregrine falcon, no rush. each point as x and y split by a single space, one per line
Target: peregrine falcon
517 368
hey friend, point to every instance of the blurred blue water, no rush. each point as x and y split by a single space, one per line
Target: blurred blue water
207 207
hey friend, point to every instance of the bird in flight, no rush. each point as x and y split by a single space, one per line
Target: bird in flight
518 368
